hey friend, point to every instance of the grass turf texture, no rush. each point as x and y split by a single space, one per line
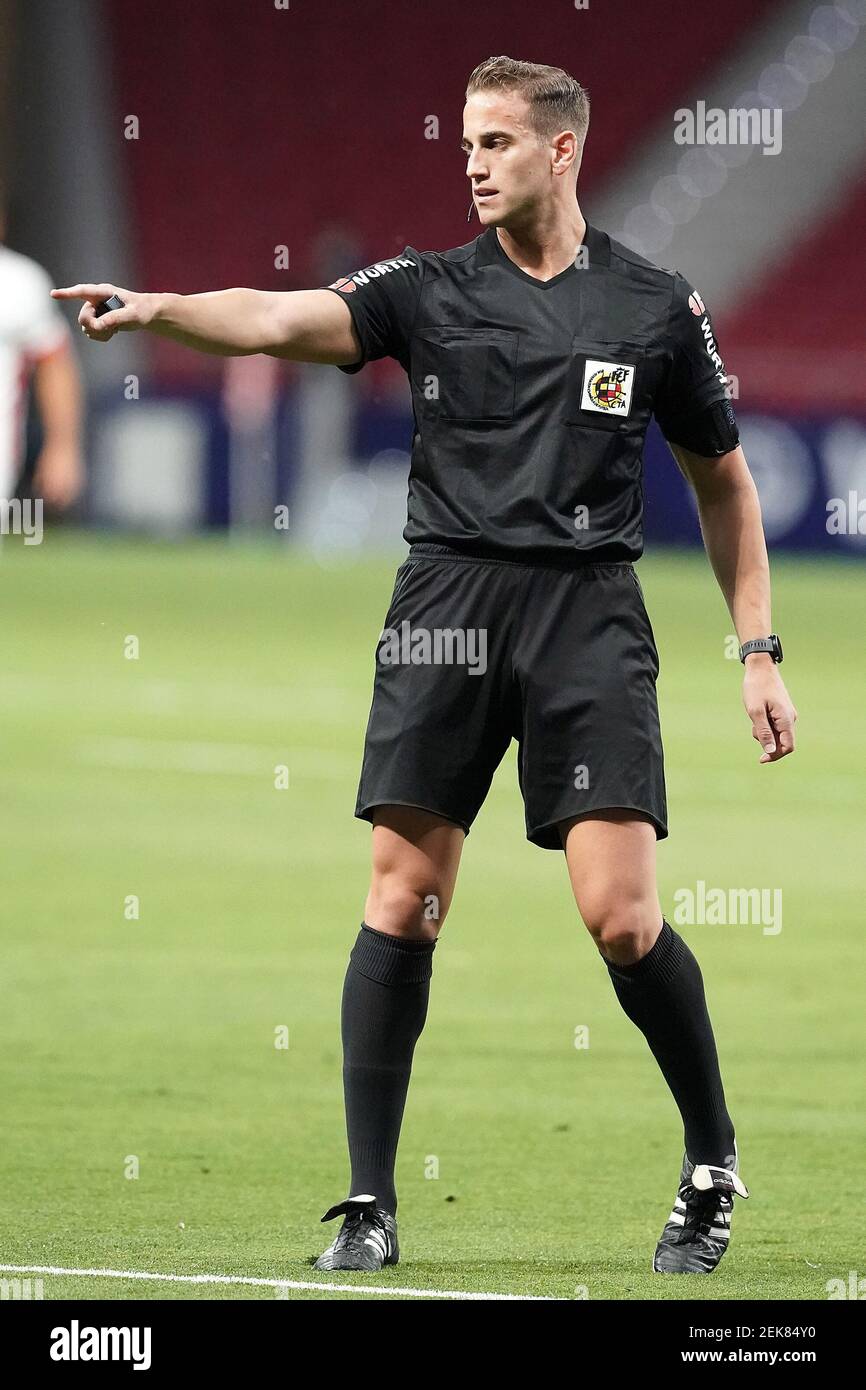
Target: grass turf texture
155 1037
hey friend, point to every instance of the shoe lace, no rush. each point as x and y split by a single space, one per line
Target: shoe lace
356 1228
702 1211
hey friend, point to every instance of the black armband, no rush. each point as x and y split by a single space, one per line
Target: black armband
710 432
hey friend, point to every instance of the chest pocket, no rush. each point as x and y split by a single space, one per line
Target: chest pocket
608 385
467 373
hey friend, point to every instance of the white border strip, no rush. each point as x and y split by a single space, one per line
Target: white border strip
277 1283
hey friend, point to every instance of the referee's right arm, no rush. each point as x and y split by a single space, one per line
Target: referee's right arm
300 325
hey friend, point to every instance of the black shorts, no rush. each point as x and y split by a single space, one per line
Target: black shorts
475 652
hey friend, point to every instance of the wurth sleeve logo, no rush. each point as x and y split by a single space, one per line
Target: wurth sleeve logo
349 283
712 350
700 311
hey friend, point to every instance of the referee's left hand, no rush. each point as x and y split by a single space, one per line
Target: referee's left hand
770 708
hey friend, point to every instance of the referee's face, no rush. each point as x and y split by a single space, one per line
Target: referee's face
508 165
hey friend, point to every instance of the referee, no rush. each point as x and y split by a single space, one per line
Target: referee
536 355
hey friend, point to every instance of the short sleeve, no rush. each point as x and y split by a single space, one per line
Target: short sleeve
383 300
42 327
692 404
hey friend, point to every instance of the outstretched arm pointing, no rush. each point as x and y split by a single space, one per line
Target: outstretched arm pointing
301 325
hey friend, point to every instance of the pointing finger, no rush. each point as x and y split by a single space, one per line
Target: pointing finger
85 291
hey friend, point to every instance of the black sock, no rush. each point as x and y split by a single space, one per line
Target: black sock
663 994
384 1007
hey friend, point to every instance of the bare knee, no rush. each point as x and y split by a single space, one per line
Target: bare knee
415 860
404 907
622 929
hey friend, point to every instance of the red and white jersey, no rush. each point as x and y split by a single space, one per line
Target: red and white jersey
31 327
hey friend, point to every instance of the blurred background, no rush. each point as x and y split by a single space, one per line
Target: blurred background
188 653
217 143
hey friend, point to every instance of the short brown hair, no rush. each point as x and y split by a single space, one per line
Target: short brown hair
556 99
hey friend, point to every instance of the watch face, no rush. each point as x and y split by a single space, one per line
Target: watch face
777 647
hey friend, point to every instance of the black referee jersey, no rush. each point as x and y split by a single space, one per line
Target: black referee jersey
531 398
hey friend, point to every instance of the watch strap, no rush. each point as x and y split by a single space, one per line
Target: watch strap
771 645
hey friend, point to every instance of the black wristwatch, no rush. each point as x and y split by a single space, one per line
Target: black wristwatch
770 644
105 306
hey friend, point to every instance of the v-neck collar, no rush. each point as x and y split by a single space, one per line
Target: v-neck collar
490 252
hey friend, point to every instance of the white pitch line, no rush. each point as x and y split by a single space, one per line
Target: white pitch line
278 1283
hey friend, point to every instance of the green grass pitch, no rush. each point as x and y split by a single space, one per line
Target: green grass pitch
151 1042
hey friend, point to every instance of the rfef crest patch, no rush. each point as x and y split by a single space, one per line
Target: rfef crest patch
607 387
